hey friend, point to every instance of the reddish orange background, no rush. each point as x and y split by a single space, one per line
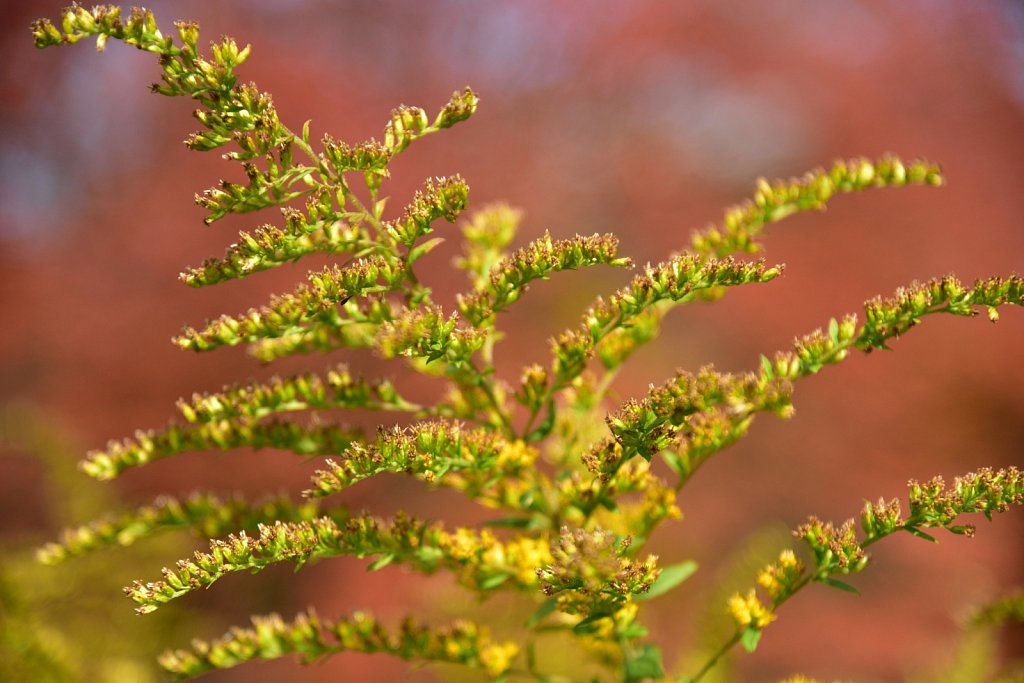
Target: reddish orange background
644 119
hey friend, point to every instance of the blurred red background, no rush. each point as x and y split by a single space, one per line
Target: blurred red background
644 119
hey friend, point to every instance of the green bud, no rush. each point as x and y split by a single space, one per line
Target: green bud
865 172
898 172
533 387
80 20
46 34
459 108
69 23
848 327
188 32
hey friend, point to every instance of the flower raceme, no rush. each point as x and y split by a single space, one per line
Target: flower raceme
579 478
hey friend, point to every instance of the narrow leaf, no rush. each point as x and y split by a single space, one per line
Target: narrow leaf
670 577
381 562
421 250
545 427
510 522
544 610
920 534
589 624
835 583
494 581
674 462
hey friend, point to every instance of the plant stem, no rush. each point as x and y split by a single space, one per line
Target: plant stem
710 664
480 380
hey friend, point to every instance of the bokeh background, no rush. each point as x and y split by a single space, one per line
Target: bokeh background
642 118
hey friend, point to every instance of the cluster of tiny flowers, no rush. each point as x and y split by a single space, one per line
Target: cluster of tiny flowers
427 333
832 547
677 280
748 611
779 578
772 202
311 637
591 574
542 257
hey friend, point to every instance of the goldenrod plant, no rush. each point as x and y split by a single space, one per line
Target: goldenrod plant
580 483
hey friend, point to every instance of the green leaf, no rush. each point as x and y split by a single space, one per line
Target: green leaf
833 330
634 631
494 581
674 462
750 638
589 624
835 583
381 562
421 250
767 367
645 665
429 555
920 534
669 578
510 522
545 427
544 610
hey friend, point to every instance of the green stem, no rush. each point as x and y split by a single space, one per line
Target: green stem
820 574
480 380
710 664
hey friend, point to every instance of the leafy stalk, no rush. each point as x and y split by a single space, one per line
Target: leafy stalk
312 638
692 417
839 551
579 517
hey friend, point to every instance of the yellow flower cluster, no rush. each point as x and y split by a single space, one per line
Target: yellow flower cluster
516 455
749 610
497 659
779 577
485 555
